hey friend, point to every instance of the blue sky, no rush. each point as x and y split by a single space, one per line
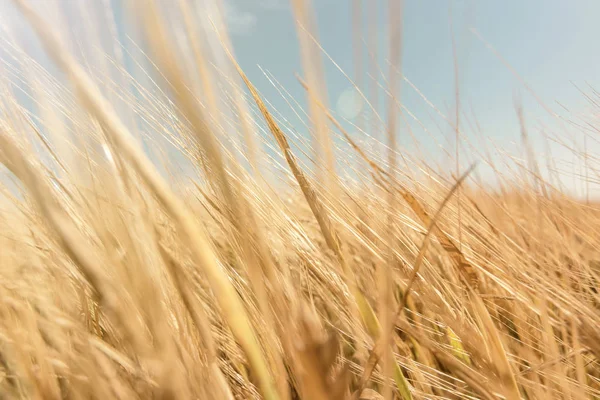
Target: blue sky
551 44
548 42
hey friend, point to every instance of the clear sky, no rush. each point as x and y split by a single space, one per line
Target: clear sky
548 42
551 44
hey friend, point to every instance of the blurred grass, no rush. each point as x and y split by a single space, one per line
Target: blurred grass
122 281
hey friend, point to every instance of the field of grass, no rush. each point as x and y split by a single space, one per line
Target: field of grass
263 277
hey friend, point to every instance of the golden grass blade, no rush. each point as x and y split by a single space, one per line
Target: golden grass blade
472 378
154 260
331 238
229 301
500 357
467 270
61 223
312 65
247 231
379 347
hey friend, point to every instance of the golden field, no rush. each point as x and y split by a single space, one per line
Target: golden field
264 275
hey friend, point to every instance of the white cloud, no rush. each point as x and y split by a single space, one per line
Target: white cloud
239 22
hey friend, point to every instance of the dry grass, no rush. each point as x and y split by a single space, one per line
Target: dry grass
121 279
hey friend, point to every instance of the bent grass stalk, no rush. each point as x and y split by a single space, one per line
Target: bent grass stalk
229 301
